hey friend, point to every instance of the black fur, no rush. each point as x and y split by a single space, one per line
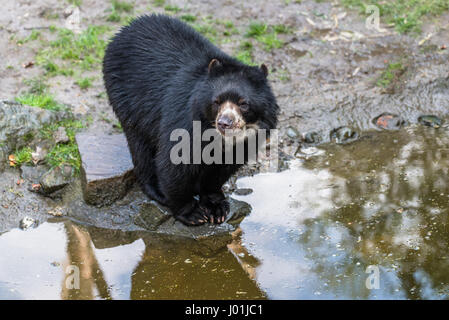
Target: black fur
157 77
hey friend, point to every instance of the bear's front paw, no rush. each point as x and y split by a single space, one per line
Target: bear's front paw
215 211
194 216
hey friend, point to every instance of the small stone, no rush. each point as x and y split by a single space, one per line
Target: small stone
26 223
238 210
54 180
312 138
243 191
106 169
151 216
343 135
292 133
389 121
430 121
60 135
56 212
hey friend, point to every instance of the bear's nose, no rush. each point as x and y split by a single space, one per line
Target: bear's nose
224 123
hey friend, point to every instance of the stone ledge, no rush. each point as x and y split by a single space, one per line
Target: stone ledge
106 167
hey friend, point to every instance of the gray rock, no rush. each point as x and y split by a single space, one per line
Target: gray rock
136 213
33 174
61 136
312 137
18 122
26 223
55 179
151 216
344 135
106 169
3 157
243 191
292 133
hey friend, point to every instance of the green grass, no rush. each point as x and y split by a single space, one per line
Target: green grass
159 3
64 153
71 51
265 34
22 156
114 17
207 27
84 83
77 3
37 86
43 100
173 9
38 96
406 15
390 75
122 6
282 28
119 7
245 53
34 35
188 18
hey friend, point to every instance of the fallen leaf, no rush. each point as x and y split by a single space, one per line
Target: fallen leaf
28 64
12 160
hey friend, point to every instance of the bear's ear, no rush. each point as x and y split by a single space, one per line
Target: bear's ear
214 63
264 69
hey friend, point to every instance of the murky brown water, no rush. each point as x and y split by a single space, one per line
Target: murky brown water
382 201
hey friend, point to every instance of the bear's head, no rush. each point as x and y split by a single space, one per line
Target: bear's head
239 99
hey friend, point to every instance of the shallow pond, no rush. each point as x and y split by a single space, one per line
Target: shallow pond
380 204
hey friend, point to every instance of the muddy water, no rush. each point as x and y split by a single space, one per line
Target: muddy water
382 202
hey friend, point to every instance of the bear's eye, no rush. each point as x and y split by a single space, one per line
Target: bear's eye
244 106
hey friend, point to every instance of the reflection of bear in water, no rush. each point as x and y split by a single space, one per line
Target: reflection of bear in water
161 75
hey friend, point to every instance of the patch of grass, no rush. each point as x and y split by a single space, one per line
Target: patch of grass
72 51
245 53
64 153
122 6
33 36
170 8
265 34
406 15
282 28
230 29
22 156
188 18
71 126
77 3
270 41
84 83
117 8
256 29
114 17
37 86
207 28
159 3
43 100
390 75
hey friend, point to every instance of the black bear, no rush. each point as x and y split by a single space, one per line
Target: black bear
162 75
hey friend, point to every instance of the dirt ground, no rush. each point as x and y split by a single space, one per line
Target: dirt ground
324 75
